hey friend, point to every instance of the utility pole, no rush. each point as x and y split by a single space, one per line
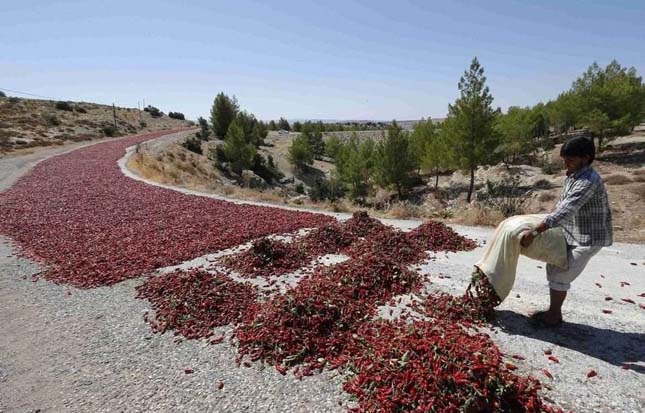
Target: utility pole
114 114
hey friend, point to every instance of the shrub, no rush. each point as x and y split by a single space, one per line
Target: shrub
109 131
193 144
507 196
300 188
66 106
543 184
143 124
153 111
14 100
2 94
81 109
176 115
204 130
51 119
218 154
617 179
261 168
326 189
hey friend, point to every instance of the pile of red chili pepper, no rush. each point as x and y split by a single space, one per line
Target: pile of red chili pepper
192 303
312 322
269 258
434 366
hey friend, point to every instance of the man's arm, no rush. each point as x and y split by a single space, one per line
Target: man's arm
580 193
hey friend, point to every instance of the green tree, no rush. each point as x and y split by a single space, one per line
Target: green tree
423 132
515 129
430 149
273 126
612 100
313 133
469 127
565 112
239 152
333 146
300 153
539 121
223 112
297 126
355 166
394 160
284 124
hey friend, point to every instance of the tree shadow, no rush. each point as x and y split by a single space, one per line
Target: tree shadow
614 347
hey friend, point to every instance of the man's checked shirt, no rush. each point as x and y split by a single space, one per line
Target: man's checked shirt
583 211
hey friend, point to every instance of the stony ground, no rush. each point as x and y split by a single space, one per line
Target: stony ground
64 349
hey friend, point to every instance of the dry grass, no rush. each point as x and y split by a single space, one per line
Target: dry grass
639 172
638 190
618 179
639 178
477 215
402 210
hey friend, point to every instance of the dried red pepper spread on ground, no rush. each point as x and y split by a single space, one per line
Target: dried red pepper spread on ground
92 226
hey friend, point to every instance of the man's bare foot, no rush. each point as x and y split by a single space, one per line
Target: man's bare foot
546 319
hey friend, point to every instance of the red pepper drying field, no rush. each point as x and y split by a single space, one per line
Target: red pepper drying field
92 226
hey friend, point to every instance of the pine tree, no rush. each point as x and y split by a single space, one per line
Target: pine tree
469 127
300 153
394 160
223 112
355 166
237 149
284 124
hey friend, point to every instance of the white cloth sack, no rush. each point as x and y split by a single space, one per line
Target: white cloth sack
499 262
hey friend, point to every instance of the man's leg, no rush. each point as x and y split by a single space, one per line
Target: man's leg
554 314
560 280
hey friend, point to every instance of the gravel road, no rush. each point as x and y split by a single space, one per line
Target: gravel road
64 349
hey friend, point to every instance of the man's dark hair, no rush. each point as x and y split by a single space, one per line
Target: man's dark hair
579 146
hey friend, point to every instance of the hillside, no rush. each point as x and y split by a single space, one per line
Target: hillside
27 123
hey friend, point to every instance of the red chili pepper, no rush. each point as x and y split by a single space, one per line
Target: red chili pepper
592 373
554 359
547 373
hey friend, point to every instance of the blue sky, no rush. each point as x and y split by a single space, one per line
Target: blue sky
300 59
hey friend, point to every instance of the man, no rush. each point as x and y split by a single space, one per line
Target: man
585 217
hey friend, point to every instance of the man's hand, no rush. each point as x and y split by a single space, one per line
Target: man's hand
527 239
